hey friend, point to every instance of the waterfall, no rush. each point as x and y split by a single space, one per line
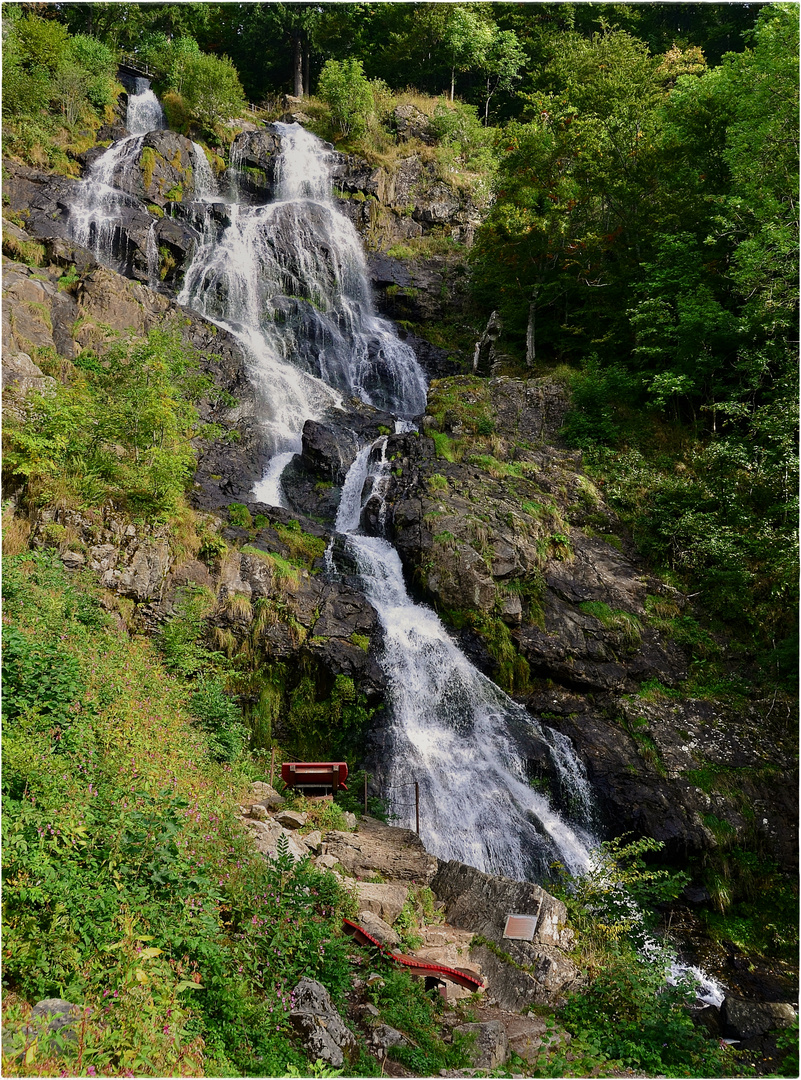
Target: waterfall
95 215
144 110
294 272
205 184
289 281
452 729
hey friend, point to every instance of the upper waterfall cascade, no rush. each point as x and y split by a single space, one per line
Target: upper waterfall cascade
144 110
289 280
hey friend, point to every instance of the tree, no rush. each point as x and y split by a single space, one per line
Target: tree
212 89
466 40
500 62
344 87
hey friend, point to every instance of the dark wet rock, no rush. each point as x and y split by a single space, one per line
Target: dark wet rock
743 1019
253 159
328 450
312 481
163 172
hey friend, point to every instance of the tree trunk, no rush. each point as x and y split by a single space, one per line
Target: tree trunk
306 66
453 81
298 67
531 345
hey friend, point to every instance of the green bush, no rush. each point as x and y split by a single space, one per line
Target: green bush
219 716
211 89
121 431
345 88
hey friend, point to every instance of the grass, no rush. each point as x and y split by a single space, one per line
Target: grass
130 888
30 252
621 622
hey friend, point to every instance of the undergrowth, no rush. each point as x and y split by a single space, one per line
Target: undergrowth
130 889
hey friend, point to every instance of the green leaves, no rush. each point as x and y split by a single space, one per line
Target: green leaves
344 87
121 430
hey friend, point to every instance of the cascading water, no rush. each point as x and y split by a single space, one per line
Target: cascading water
95 216
452 728
144 110
294 272
288 280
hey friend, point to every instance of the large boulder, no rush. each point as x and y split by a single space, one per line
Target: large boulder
322 1031
397 854
747 1019
489 1045
253 164
517 973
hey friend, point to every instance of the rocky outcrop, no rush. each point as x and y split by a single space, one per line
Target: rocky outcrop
518 973
743 1019
489 1043
394 853
322 1031
253 155
496 522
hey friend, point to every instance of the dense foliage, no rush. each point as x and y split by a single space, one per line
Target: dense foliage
645 231
57 89
119 430
633 1013
127 884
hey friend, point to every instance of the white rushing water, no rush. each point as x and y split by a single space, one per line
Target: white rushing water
452 728
289 280
144 110
95 216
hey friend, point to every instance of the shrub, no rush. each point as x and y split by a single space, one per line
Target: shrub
345 88
211 89
123 430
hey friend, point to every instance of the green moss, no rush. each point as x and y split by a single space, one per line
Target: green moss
621 622
361 640
147 162
437 482
303 547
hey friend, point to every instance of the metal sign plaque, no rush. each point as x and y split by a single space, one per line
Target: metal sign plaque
520 927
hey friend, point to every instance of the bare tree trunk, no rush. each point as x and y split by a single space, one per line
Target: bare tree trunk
453 81
306 66
298 67
531 345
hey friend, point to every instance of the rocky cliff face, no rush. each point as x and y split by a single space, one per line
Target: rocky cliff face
502 532
496 523
388 207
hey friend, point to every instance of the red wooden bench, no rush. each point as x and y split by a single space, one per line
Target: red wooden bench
315 774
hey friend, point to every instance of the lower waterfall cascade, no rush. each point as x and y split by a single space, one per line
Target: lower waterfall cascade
288 280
